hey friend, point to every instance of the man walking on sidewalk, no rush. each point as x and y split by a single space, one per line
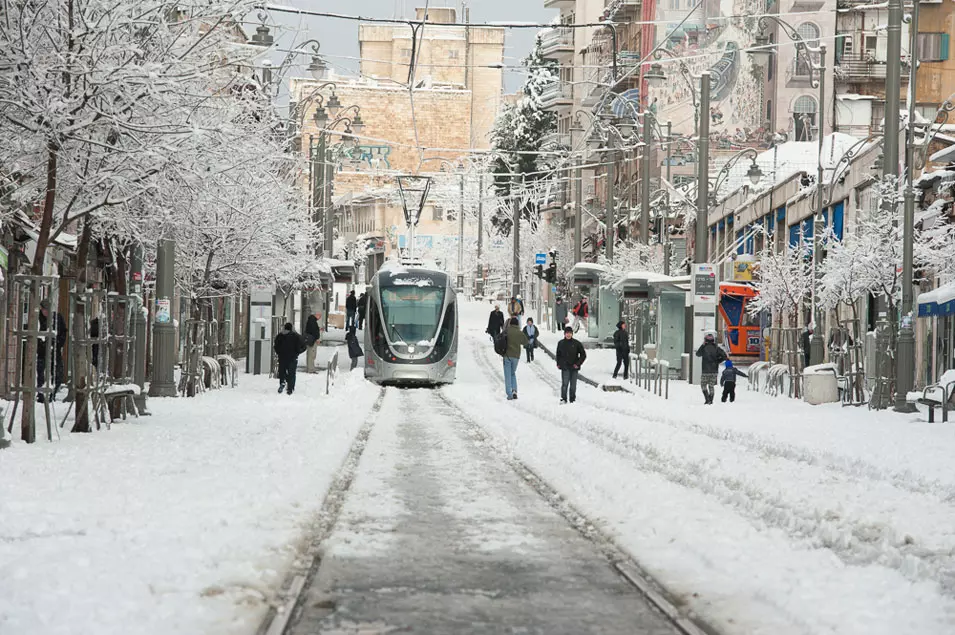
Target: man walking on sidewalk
621 343
351 310
288 346
570 357
516 340
711 357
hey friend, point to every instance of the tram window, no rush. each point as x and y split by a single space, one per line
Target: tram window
445 335
411 312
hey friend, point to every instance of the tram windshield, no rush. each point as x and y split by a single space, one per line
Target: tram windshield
412 309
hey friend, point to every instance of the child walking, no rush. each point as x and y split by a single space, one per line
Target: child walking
728 381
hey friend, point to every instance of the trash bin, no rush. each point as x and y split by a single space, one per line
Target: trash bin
685 367
820 384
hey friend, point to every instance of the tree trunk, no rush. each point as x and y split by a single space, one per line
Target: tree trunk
79 331
28 419
118 326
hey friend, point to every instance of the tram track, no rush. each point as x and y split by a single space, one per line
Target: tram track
616 557
279 618
853 542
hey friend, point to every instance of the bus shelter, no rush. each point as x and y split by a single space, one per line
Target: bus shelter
656 306
587 279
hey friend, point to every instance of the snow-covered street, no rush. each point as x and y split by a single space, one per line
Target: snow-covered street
764 516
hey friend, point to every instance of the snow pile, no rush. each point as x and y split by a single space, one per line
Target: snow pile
183 522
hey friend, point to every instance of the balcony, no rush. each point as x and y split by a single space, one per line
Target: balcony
859 69
556 141
559 4
558 44
616 8
556 96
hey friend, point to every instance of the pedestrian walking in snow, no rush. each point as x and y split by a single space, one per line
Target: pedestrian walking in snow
515 308
516 340
312 334
531 332
288 346
362 310
495 323
728 381
621 343
351 309
560 314
570 356
711 357
354 348
581 314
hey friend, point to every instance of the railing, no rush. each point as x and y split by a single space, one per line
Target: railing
652 375
332 372
852 67
556 92
558 39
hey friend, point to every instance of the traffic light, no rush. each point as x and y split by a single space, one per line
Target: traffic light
551 274
539 271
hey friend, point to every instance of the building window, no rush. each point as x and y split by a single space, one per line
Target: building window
928 113
769 109
406 54
809 32
933 47
804 116
437 213
453 54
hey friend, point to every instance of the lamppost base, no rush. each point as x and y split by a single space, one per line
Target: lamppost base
905 371
164 350
817 353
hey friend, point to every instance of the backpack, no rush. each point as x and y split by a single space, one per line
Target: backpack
500 343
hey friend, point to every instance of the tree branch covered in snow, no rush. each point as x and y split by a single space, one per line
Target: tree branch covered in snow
784 282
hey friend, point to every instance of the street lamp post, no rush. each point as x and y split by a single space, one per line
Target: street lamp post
645 180
905 366
479 274
162 382
461 238
516 229
702 173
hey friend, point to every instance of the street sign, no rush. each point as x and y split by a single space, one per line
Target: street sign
540 259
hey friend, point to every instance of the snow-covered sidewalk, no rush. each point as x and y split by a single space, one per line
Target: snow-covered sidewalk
764 516
183 522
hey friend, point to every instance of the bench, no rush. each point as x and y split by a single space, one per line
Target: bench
936 396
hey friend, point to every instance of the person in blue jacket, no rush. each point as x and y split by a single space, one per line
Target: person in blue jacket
728 381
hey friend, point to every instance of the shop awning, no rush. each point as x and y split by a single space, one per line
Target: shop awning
937 302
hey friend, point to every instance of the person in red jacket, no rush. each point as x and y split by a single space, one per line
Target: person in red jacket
581 314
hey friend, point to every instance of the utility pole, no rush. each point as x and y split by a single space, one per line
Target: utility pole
664 222
479 274
700 254
461 238
329 209
905 357
515 201
162 383
578 211
890 168
611 212
817 350
138 326
645 179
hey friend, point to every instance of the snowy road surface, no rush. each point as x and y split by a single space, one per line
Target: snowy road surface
767 516
438 535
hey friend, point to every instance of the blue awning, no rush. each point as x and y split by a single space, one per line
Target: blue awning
938 302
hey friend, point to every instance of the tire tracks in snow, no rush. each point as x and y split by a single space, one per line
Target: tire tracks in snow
854 542
617 557
279 618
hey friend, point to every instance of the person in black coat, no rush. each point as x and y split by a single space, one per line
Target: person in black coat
532 333
621 343
288 346
570 357
362 310
711 357
351 309
57 378
354 348
495 323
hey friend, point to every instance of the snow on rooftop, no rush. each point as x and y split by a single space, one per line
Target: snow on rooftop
786 160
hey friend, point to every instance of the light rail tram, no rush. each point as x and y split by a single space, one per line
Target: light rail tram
411 330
